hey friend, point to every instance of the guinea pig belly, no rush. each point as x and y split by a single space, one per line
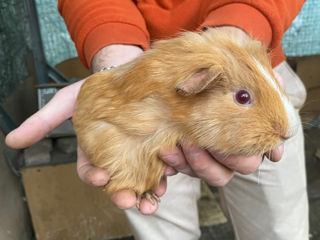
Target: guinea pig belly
131 161
126 140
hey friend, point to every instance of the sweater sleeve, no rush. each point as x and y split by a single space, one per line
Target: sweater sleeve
264 20
93 24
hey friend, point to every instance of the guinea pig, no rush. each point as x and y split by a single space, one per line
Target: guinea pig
209 89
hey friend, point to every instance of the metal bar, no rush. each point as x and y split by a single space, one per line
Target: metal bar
43 70
56 76
37 47
6 123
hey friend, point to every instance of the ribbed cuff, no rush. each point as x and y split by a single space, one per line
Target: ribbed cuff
277 56
112 33
243 16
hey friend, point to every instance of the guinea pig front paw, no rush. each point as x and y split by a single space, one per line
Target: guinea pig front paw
149 195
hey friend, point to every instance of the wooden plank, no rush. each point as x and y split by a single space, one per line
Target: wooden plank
311 109
210 212
63 207
309 71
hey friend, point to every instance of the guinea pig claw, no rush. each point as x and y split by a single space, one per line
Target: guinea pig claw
150 196
138 201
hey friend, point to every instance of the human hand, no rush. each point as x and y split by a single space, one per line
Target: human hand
213 167
60 108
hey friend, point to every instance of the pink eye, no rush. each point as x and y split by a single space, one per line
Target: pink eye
242 97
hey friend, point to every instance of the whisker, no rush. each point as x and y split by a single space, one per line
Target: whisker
315 123
269 154
225 157
259 171
310 101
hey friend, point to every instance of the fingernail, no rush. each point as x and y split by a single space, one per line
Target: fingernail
276 154
97 177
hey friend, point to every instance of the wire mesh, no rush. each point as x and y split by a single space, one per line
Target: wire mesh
14 45
303 37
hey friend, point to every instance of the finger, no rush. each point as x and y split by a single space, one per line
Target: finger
175 159
124 199
276 154
162 187
206 167
58 109
90 174
243 165
170 171
99 177
147 207
127 199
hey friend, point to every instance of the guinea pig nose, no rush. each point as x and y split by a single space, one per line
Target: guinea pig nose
284 137
275 154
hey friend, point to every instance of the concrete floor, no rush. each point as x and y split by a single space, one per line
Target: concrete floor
312 144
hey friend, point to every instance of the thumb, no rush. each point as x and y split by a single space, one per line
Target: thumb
58 109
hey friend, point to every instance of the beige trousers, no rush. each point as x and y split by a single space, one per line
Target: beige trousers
270 204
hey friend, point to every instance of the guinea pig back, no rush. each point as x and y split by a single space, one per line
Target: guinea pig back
209 89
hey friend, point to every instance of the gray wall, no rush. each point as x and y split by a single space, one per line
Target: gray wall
14 219
14 224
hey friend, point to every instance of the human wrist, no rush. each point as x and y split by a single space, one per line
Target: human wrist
244 16
114 55
240 35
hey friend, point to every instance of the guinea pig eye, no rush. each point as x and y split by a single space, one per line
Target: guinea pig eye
242 97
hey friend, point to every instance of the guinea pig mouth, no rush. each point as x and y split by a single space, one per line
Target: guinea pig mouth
284 137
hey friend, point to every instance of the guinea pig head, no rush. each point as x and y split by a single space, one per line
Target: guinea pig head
236 108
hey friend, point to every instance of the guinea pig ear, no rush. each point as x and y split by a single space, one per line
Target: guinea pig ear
196 83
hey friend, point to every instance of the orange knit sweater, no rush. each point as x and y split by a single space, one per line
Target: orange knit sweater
94 24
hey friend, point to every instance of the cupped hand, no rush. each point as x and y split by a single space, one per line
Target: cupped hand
59 109
124 199
46 119
211 166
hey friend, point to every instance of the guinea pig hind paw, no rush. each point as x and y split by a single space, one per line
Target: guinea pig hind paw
149 195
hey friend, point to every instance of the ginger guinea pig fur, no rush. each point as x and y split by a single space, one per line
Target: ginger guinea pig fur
206 88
